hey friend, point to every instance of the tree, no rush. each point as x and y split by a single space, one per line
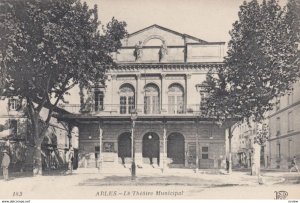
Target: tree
262 62
46 48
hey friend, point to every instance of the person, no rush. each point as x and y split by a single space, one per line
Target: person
70 160
294 165
5 164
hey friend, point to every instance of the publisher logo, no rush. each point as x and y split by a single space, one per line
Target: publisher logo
281 194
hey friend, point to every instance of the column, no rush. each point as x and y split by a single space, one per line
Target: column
164 96
188 92
197 145
164 159
114 96
139 94
100 147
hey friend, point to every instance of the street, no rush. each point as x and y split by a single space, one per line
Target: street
88 184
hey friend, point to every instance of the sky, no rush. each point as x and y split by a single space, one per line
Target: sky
210 20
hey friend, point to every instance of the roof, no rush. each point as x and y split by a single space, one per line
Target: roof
168 30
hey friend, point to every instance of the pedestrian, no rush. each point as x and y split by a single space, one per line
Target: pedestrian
294 165
70 160
5 164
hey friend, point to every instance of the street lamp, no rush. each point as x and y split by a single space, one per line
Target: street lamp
133 166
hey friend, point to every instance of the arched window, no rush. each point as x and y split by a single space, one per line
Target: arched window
151 99
175 99
127 99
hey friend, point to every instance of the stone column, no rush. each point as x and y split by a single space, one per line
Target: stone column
114 96
163 94
164 159
139 94
100 147
188 92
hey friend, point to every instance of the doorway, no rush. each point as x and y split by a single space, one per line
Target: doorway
175 148
151 148
124 147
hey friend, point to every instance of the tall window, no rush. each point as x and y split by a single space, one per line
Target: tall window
99 100
204 152
290 98
127 99
290 121
175 97
279 151
13 104
278 126
151 99
13 124
277 103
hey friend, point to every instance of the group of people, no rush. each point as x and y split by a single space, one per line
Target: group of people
6 162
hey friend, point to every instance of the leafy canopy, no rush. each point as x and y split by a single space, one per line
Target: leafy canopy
262 61
48 46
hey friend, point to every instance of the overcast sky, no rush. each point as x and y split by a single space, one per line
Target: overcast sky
209 20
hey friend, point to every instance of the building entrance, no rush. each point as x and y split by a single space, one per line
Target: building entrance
175 148
151 148
124 147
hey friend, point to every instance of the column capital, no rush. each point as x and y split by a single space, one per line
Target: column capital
188 76
114 77
138 76
163 75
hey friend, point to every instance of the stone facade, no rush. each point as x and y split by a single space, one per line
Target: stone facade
19 143
284 123
153 95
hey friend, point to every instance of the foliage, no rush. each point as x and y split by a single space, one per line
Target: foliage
49 46
262 61
262 134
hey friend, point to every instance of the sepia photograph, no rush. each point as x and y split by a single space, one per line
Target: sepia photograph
149 100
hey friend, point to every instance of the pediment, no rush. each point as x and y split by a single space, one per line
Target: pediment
154 35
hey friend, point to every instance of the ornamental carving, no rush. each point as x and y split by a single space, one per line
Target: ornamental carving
163 52
138 51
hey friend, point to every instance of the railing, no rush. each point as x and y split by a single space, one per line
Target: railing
128 109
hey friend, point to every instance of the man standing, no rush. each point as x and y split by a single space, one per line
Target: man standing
70 160
294 165
5 163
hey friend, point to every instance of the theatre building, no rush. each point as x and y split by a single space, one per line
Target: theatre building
149 107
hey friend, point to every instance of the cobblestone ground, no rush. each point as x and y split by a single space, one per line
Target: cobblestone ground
89 184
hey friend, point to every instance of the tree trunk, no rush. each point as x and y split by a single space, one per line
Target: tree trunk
37 154
229 151
37 161
255 168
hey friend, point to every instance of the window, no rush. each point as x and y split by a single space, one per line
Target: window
13 104
127 99
279 152
290 98
278 126
13 125
277 104
290 121
151 99
175 99
204 152
98 101
289 148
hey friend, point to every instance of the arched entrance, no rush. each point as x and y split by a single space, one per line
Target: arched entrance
175 148
151 148
124 146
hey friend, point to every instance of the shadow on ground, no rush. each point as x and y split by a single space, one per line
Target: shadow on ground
290 180
154 180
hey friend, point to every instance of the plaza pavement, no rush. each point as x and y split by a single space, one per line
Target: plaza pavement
173 183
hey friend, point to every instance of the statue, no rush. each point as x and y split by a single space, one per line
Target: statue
163 51
138 51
